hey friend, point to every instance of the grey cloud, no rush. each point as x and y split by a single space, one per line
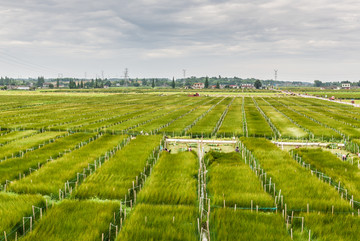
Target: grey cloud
114 33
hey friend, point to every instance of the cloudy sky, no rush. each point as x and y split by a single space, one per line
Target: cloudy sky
305 40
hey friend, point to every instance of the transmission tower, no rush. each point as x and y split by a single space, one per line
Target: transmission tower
275 72
126 75
184 73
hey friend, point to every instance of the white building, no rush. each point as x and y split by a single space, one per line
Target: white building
345 86
23 88
198 86
247 86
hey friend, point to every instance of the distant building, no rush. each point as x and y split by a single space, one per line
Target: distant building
233 86
247 86
345 86
198 86
23 88
213 86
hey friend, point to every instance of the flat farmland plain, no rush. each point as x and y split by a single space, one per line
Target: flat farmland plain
94 166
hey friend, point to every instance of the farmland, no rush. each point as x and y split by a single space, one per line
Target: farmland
154 165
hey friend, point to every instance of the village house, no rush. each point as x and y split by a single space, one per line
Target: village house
247 86
345 86
198 86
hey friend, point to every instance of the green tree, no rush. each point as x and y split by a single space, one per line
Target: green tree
82 84
206 82
57 83
217 85
257 84
318 83
153 83
173 83
40 81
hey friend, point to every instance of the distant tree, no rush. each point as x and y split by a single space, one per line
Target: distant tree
318 83
217 85
57 83
206 82
82 84
40 81
136 84
51 86
173 83
108 83
153 83
188 82
257 84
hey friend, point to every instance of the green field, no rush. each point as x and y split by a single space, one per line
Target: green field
94 165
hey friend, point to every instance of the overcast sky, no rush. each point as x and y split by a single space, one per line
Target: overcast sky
304 39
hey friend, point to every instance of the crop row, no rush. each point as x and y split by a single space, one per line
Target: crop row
30 161
125 168
206 125
19 147
167 202
50 178
342 175
257 126
312 194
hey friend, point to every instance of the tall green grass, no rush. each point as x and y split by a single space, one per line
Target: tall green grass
49 179
14 207
326 162
161 222
283 124
297 185
11 136
233 122
75 220
351 131
11 168
256 123
14 148
173 180
206 125
115 177
317 129
230 179
325 227
229 225
179 125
